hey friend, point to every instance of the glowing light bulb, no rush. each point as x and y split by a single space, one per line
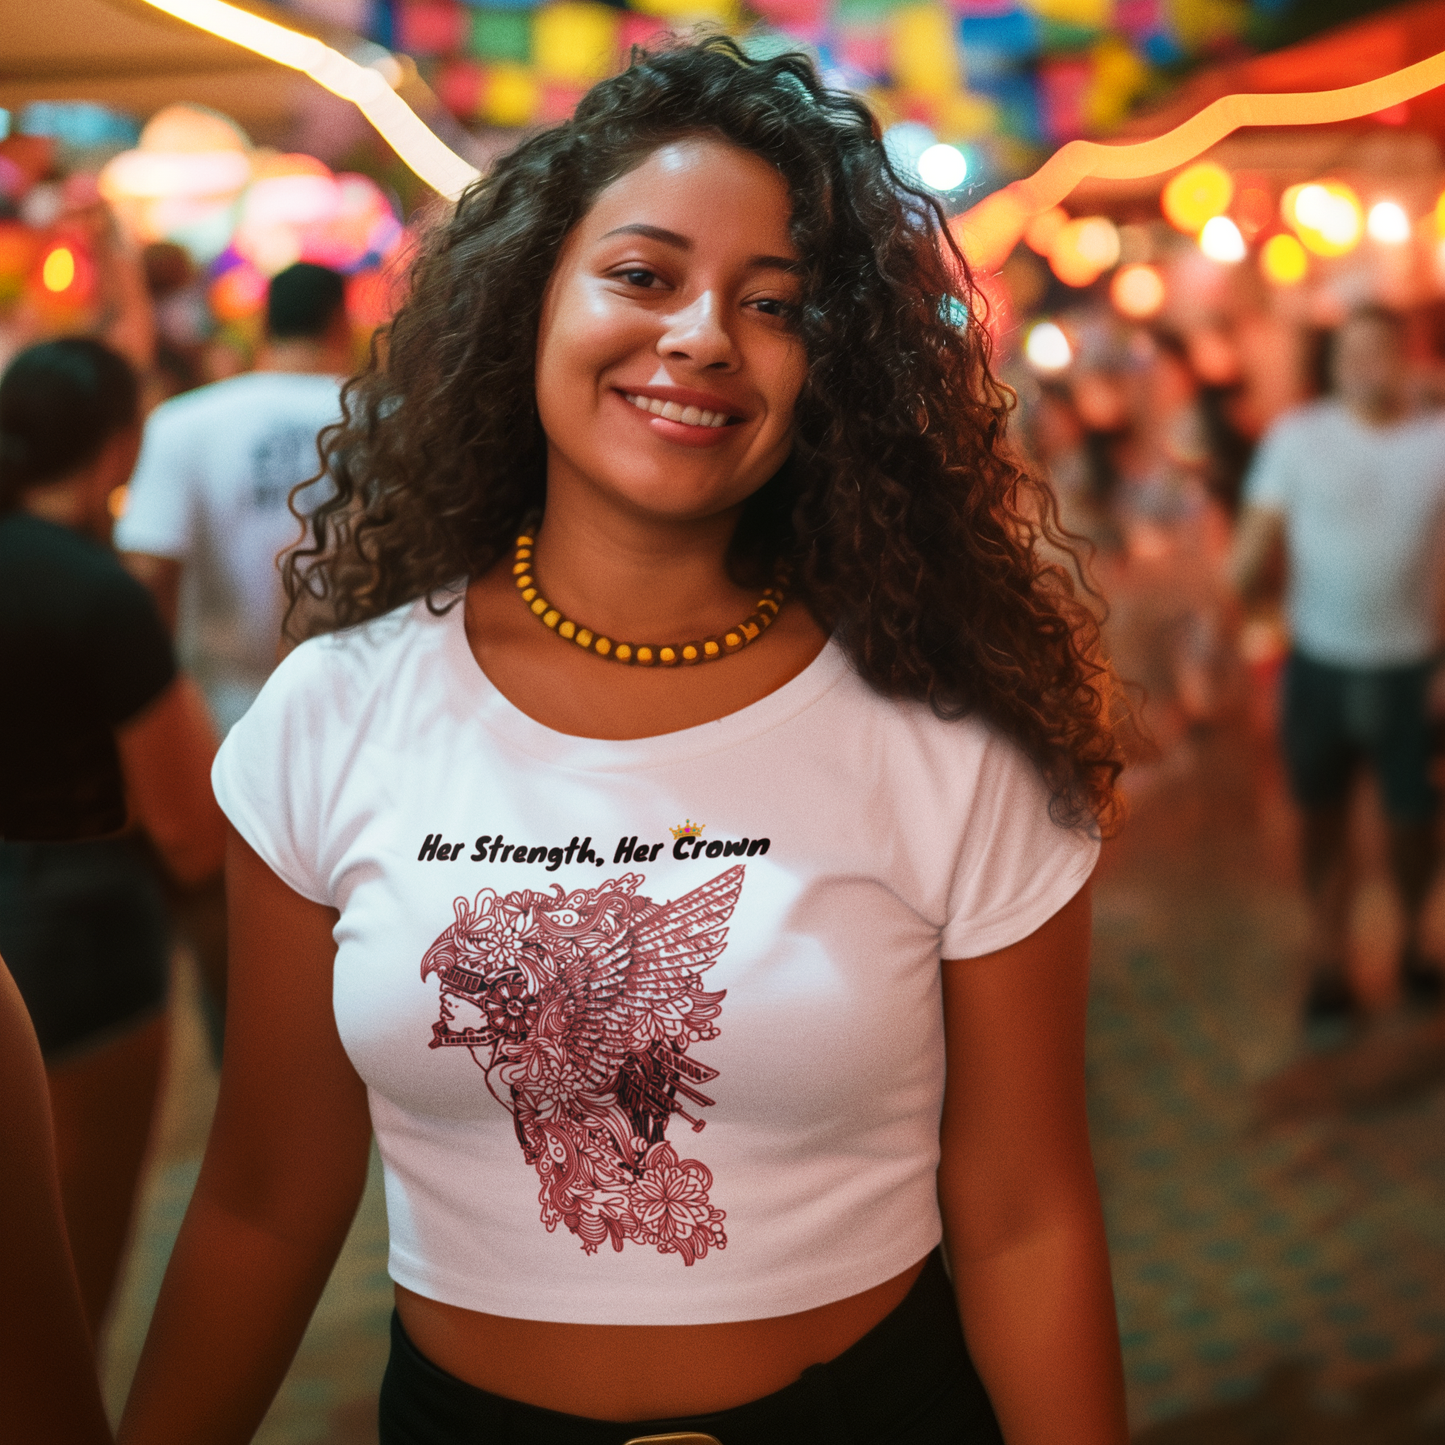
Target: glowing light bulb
1137 291
1196 196
1082 250
57 272
1047 348
1388 223
1283 260
363 85
942 167
1221 241
1326 215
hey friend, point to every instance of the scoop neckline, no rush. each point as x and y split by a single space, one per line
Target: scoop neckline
505 720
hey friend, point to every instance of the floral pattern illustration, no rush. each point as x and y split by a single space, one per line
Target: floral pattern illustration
581 1010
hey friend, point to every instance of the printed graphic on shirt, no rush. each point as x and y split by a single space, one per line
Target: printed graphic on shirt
580 1009
281 459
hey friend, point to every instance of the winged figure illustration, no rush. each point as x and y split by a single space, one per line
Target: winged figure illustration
581 1010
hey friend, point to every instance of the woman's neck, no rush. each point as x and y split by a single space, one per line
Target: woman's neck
641 577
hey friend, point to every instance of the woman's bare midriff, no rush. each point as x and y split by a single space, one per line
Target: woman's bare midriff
640 1372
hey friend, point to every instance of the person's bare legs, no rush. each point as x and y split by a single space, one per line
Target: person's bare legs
1412 864
1325 860
103 1104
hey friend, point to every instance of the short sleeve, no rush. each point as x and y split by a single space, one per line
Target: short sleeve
157 517
1016 866
1267 484
133 661
268 776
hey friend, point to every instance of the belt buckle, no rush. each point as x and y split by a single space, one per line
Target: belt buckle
680 1437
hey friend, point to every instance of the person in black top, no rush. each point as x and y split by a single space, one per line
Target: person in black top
100 738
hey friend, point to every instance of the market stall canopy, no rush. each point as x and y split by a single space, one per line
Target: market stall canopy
1348 55
125 54
1403 142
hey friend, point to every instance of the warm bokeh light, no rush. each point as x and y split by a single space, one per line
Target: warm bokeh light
1253 210
1040 232
1084 249
1137 291
1325 215
57 271
1221 241
1283 260
238 292
1388 223
1196 195
1047 348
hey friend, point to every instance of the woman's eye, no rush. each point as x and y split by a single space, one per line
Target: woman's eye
636 276
776 306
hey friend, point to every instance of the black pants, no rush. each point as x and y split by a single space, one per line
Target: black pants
909 1379
1338 718
84 929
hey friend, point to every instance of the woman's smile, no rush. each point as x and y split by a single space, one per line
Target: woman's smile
684 417
689 415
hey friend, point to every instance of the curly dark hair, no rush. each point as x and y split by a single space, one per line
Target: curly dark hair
910 532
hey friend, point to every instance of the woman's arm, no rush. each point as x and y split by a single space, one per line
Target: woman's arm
282 1178
165 757
1021 1215
48 1386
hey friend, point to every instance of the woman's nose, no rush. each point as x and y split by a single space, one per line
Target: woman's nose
697 333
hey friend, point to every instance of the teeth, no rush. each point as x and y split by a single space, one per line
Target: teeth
673 411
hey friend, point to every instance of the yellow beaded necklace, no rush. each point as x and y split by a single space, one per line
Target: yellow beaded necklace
648 654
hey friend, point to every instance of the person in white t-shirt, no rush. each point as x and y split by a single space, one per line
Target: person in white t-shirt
1353 488
207 510
675 844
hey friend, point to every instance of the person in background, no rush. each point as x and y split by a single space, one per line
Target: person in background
206 512
1353 488
48 1385
98 731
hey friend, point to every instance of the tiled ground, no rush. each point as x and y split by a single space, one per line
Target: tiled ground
1277 1217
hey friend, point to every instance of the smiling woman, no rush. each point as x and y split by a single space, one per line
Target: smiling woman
672 1134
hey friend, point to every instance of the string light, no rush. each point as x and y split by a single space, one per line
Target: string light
1047 348
418 146
57 271
1196 196
1325 215
988 231
1137 291
1221 241
943 168
1388 223
1283 260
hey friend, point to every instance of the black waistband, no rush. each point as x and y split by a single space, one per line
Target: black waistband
910 1378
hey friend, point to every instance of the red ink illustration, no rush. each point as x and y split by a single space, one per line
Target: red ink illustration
580 1009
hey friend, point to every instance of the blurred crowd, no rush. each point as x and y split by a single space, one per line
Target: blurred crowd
1147 434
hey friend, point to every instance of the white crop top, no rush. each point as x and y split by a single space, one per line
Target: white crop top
651 1029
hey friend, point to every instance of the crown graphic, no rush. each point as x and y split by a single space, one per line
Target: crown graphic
689 829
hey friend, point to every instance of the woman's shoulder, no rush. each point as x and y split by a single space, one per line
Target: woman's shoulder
958 763
345 684
352 662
